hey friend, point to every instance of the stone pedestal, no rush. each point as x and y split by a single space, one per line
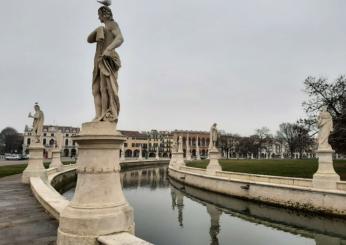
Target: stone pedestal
98 207
214 165
56 160
188 156
177 159
325 177
35 166
122 154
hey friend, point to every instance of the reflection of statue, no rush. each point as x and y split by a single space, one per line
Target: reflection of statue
173 196
180 205
106 66
214 230
213 136
325 125
37 126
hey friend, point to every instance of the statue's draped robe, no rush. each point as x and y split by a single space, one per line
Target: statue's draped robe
325 124
107 68
213 137
37 126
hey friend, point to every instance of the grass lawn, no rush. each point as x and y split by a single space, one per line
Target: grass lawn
18 169
289 168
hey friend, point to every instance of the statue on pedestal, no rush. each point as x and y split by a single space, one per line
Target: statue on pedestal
37 126
106 66
325 126
180 145
213 136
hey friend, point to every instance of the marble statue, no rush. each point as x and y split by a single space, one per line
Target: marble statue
107 37
59 140
180 145
37 126
174 145
325 126
213 136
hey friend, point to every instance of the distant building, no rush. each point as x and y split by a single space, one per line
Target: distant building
202 138
133 143
48 139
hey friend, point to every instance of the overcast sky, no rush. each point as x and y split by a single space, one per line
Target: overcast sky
186 63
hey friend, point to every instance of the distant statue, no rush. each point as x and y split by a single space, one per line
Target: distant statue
59 140
106 66
180 148
37 126
213 136
174 145
325 125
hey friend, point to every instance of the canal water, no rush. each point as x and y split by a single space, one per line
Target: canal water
169 213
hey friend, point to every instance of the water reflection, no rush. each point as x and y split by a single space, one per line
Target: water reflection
214 230
169 213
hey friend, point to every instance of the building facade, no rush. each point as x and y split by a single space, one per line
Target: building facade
49 140
200 138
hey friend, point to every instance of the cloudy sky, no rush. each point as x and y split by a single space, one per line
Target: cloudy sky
186 64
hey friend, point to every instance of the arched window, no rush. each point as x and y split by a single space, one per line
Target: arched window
66 153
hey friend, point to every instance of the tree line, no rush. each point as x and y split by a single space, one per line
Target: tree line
299 136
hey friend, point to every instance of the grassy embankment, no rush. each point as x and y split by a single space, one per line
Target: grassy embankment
17 169
289 168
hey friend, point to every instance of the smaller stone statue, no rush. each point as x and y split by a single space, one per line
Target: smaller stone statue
325 126
37 126
59 140
180 148
213 136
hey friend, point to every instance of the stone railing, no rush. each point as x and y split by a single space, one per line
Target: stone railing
54 203
341 186
266 179
193 170
295 193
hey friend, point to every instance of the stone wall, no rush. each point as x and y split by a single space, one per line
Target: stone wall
282 191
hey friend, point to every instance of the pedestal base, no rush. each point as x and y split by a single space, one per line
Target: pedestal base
188 156
325 177
98 207
35 166
56 160
214 165
177 160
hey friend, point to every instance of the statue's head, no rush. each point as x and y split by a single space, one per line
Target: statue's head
214 125
324 108
36 107
105 14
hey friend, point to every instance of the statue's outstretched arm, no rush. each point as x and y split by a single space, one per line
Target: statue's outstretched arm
92 37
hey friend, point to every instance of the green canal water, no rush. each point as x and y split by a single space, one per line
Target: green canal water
169 213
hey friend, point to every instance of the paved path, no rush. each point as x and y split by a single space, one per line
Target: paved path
22 219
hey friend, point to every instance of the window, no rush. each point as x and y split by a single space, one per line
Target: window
67 135
133 144
44 134
125 144
44 141
28 141
66 142
52 135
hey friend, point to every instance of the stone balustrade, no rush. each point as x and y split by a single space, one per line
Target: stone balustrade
296 193
54 203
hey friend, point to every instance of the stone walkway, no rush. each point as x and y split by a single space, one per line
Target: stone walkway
22 219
